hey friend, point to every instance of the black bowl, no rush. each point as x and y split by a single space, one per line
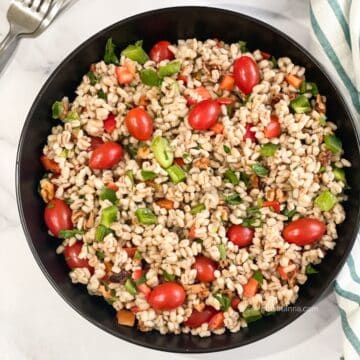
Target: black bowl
172 24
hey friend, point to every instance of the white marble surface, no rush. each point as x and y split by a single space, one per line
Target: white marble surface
35 323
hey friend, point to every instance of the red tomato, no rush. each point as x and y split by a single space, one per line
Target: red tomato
275 205
250 288
225 101
304 231
202 92
71 254
192 232
235 302
137 274
246 74
50 165
180 162
205 268
217 321
130 251
160 51
249 134
58 216
273 129
139 124
240 235
112 186
125 74
197 318
265 55
95 142
227 83
183 78
110 124
167 296
204 114
105 156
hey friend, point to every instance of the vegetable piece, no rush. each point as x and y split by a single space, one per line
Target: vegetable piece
251 315
294 81
125 317
58 110
259 170
309 87
227 82
176 173
57 216
273 129
167 296
162 151
322 120
224 301
333 143
145 216
72 116
197 209
165 204
204 114
235 302
227 150
110 124
109 215
131 251
304 231
310 270
197 318
243 46
112 186
300 104
130 287
101 94
50 165
139 124
66 234
110 56
100 233
245 178
250 288
136 53
201 93
246 74
106 156
92 78
274 205
171 68
217 321
289 213
339 174
233 199
130 175
71 255
205 269
217 128
100 255
160 51
258 276
240 235
150 77
274 62
125 74
148 175
326 200
222 251
249 134
168 277
192 232
231 177
108 194
268 149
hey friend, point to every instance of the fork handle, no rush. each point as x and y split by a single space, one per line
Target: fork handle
7 47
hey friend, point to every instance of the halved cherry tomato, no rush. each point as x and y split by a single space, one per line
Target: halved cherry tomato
200 91
246 74
192 232
273 129
160 51
225 100
286 275
110 124
235 302
250 288
197 318
139 124
249 134
137 274
50 165
125 74
217 128
144 289
275 205
240 235
265 55
227 82
106 156
71 254
304 231
183 78
167 296
205 269
112 186
204 114
217 321
180 162
95 142
58 216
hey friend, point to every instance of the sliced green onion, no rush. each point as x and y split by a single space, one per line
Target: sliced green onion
58 110
260 170
162 151
197 209
243 47
231 177
109 215
310 270
100 255
150 77
137 255
300 104
148 175
227 150
130 287
145 216
245 178
170 68
136 52
223 300
110 56
333 143
339 174
258 276
168 277
100 233
101 95
92 78
233 199
130 175
251 315
322 120
66 234
176 173
268 149
108 194
326 200
222 251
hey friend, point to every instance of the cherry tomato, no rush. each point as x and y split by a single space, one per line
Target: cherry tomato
275 205
183 78
204 114
50 165
202 92
235 302
246 74
265 55
95 142
58 216
240 235
273 129
249 134
205 268
197 318
217 321
110 124
180 162
125 74
71 254
304 231
139 124
160 51
167 296
105 156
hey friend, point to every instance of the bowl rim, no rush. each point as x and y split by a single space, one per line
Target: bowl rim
26 125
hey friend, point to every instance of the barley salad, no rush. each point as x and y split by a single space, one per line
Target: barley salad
195 187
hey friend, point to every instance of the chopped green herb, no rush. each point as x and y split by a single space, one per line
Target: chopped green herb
300 104
100 255
243 47
108 215
110 56
150 77
339 174
108 194
148 175
92 78
252 222
251 315
130 287
102 95
100 233
197 209
310 270
168 277
222 251
136 52
322 169
176 173
170 68
130 175
131 151
253 211
142 280
162 151
137 255
258 276
322 120
68 201
66 234
57 110
289 213
231 177
223 300
227 150
274 61
333 143
185 156
245 178
233 199
260 170
326 200
111 300
145 216
268 149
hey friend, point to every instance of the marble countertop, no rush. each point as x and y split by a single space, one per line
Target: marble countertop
35 323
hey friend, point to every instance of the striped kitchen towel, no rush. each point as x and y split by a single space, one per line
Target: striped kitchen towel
336 29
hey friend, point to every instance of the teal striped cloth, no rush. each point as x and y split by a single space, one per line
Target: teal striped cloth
336 29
